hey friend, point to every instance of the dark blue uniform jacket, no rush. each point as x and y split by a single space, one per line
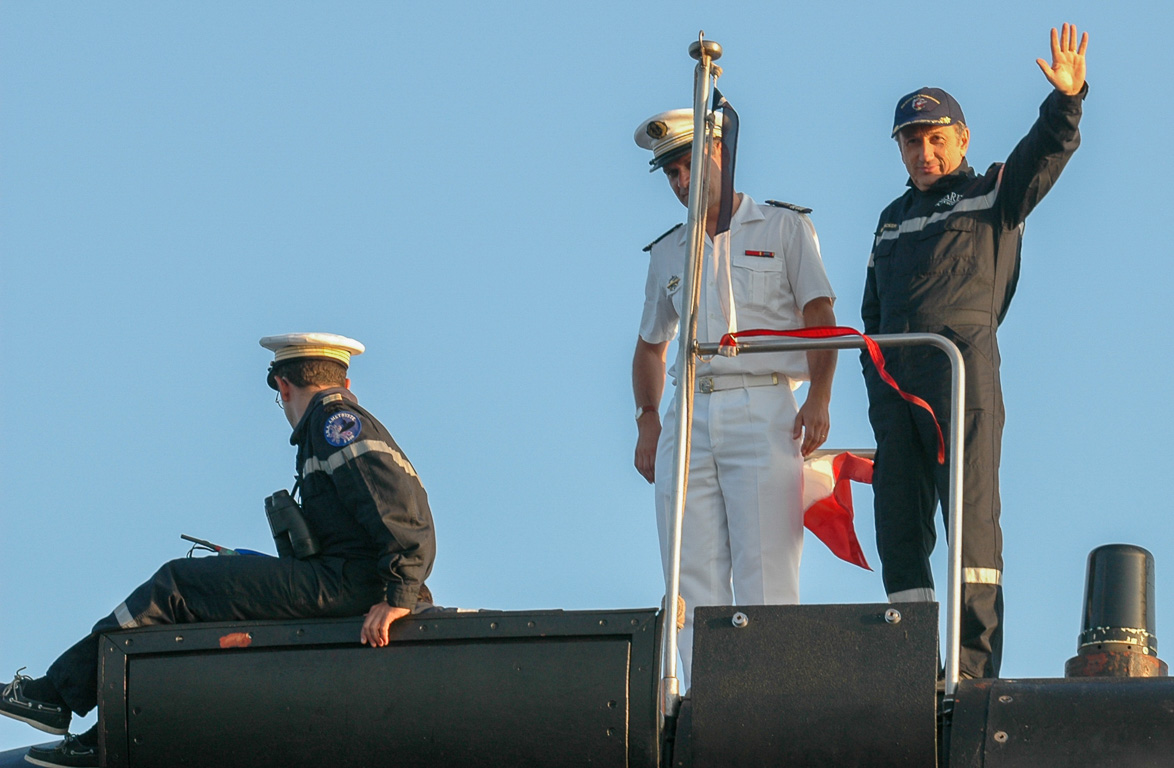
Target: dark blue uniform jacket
946 260
361 496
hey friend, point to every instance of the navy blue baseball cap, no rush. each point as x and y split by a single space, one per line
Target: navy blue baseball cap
927 106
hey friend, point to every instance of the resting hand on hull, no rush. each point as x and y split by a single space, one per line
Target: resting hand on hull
377 623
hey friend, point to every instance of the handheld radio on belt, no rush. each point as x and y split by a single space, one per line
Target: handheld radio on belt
288 524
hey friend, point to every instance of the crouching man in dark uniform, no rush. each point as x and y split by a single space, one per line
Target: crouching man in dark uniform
361 500
946 260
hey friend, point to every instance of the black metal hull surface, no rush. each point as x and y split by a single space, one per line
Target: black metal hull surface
1105 722
471 689
844 685
834 685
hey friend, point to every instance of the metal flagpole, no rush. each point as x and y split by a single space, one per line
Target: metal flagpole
705 52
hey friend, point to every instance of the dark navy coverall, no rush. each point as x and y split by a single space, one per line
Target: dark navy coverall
364 503
946 261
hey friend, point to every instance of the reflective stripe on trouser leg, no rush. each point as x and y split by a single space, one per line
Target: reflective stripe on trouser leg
917 595
220 589
992 576
123 617
743 470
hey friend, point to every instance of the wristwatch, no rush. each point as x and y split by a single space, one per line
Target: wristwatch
643 409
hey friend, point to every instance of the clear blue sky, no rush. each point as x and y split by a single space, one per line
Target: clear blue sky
456 186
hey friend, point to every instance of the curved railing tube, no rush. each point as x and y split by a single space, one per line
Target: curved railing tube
957 403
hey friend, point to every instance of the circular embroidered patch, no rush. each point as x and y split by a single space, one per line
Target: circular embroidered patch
342 428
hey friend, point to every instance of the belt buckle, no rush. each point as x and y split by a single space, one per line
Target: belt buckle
706 386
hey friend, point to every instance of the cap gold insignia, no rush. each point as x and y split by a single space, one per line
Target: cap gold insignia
657 129
923 102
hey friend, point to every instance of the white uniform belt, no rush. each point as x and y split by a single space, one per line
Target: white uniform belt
707 384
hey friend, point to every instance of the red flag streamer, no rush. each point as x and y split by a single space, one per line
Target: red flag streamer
831 518
730 340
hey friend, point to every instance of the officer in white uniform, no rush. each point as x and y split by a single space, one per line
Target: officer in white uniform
743 526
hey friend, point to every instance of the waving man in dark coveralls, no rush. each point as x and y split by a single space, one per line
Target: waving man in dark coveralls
946 260
361 499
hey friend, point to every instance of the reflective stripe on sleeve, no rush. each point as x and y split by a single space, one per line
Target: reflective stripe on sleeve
982 576
353 451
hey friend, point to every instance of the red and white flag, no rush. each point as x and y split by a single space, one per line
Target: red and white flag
827 502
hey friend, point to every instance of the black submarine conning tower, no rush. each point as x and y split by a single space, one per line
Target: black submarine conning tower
1117 637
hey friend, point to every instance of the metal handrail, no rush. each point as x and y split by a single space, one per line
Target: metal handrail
957 401
864 453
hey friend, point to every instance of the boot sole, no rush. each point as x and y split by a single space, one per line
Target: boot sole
35 761
36 724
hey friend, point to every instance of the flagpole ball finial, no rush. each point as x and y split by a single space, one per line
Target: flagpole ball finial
710 48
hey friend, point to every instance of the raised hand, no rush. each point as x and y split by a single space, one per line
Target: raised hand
1067 70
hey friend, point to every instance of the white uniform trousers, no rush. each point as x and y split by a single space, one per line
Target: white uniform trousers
743 528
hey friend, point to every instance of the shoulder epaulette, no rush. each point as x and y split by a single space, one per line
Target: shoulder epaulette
648 247
792 206
333 402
